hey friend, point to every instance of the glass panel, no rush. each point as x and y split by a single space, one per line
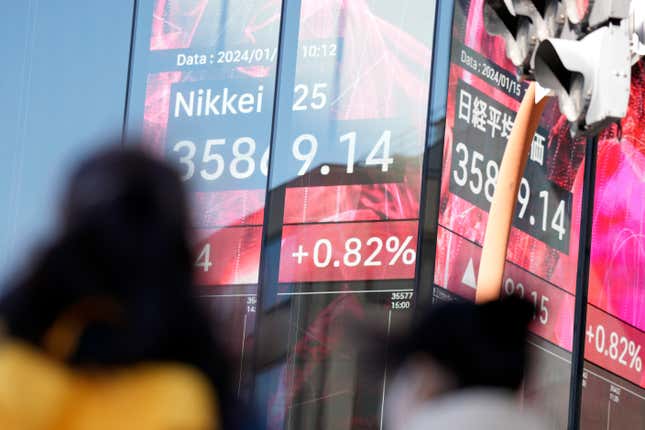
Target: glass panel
483 98
344 204
614 380
201 96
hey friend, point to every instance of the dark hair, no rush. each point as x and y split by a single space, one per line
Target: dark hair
123 241
482 344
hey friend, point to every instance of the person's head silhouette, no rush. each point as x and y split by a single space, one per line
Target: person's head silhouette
113 288
460 366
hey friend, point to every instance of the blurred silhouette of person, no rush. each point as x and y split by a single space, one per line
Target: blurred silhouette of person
460 367
103 331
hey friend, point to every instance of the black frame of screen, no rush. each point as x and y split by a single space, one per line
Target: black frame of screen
433 158
582 284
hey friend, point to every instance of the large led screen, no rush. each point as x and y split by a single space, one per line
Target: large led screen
201 97
483 97
345 184
614 379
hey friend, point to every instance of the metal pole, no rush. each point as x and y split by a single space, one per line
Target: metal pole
582 282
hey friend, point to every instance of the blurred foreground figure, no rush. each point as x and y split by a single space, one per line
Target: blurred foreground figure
461 367
104 332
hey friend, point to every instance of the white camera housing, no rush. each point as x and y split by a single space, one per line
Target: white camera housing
547 16
591 77
598 12
500 19
523 24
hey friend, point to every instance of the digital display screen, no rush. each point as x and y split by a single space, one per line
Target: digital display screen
349 154
483 97
201 97
344 202
210 113
614 379
332 120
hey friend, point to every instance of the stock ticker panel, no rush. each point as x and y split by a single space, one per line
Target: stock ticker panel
345 184
483 97
201 96
210 79
544 241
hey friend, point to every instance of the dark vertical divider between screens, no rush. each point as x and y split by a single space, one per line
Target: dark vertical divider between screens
582 283
289 24
128 83
433 157
134 102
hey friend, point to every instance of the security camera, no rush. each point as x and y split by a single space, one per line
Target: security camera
581 51
591 77
500 19
523 24
547 16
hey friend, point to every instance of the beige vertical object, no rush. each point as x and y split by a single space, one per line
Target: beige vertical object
500 216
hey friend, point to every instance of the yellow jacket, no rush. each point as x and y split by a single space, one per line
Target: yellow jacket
38 392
